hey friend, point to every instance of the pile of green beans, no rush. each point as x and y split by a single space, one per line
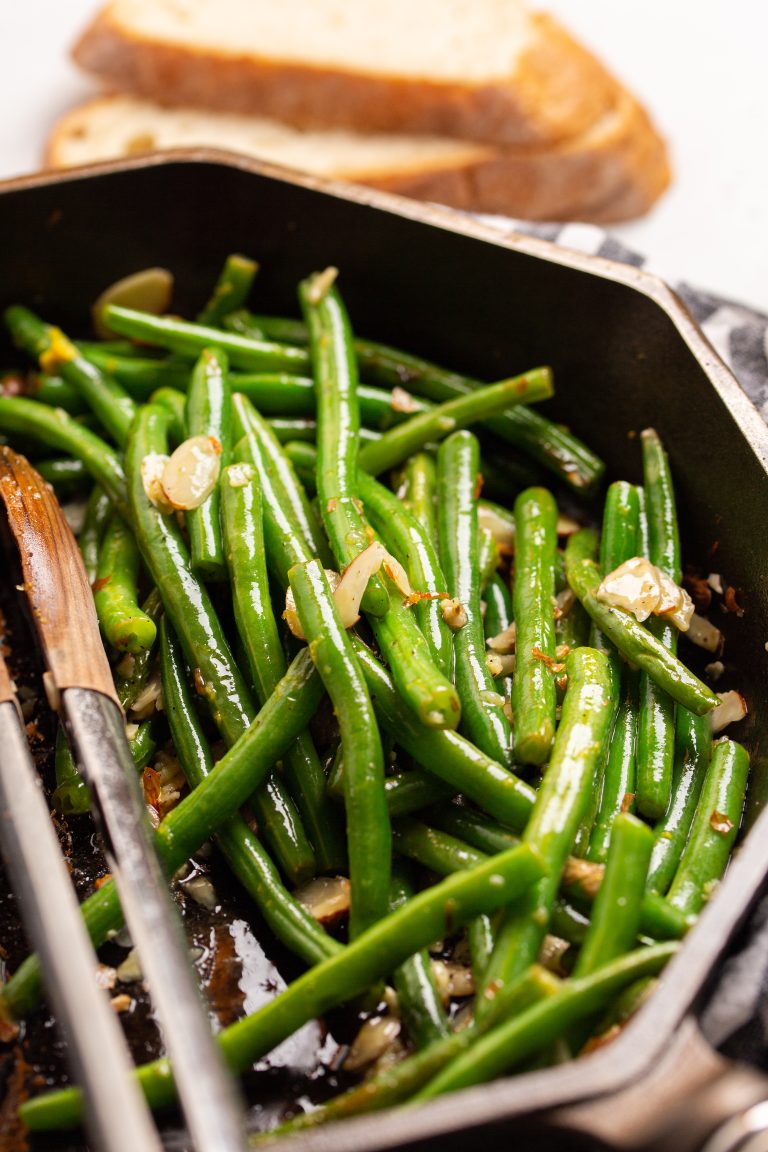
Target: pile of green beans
515 769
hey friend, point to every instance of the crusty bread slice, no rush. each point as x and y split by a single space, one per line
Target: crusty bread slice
482 70
619 161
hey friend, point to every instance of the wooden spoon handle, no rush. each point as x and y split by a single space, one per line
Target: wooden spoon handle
55 582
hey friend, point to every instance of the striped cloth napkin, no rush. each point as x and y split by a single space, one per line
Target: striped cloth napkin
738 333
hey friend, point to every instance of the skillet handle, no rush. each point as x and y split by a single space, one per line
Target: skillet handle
691 1093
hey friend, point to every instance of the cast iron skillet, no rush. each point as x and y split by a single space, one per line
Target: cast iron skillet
625 355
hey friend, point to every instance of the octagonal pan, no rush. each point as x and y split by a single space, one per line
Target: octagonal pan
625 355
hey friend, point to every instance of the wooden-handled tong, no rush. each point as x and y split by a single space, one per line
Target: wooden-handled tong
79 687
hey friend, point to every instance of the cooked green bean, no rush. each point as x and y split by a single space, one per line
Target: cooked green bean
209 413
191 612
418 491
483 718
429 916
446 754
57 429
419 1001
431 426
533 688
693 751
635 642
230 290
189 340
619 777
560 802
123 622
533 1030
338 424
108 400
656 720
139 376
98 512
175 404
241 510
368 830
713 831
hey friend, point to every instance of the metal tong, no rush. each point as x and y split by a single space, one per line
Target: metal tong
79 686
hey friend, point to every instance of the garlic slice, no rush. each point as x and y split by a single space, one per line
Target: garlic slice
191 472
641 588
148 290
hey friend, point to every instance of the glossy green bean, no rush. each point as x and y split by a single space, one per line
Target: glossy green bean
619 778
338 424
98 512
560 802
209 413
429 916
419 1003
445 754
434 425
189 340
230 291
57 429
205 646
175 404
635 642
418 491
534 696
123 622
714 828
483 718
107 399
693 752
241 513
368 829
656 720
139 376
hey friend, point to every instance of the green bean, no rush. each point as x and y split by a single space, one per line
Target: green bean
241 510
123 623
191 612
285 916
418 491
405 537
533 688
231 289
63 474
413 790
549 443
338 423
618 539
284 329
398 1083
55 428
143 744
635 642
175 404
499 615
483 718
293 428
446 754
714 828
368 830
51 390
693 751
291 530
560 802
429 916
98 511
619 778
533 1030
189 340
656 723
431 426
139 376
419 1001
132 672
109 401
209 413
436 850
617 910
71 796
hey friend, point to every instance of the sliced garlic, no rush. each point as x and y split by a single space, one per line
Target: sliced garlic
371 1042
503 531
148 290
291 616
641 588
731 709
191 473
703 633
326 897
504 642
454 613
152 469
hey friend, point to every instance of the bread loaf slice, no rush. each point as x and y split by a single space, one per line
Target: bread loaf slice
620 160
489 71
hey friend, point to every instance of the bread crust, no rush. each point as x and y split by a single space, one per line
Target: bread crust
613 172
557 90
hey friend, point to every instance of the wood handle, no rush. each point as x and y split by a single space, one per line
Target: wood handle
55 581
7 691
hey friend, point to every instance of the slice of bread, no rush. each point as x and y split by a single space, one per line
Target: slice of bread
488 71
614 170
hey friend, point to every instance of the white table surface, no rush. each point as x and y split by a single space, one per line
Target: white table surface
700 70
